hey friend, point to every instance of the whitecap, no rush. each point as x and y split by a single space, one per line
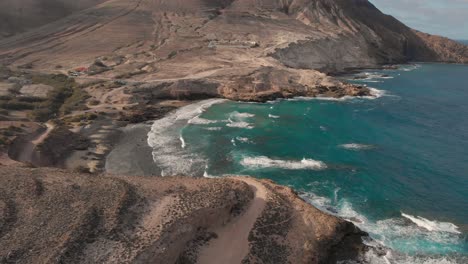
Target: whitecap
433 226
197 120
213 128
356 146
265 162
273 116
243 139
240 124
241 115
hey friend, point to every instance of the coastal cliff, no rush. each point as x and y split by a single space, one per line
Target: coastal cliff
55 216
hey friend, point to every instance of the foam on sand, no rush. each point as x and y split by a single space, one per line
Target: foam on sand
432 226
265 162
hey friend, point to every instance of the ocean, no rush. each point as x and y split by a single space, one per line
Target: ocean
395 164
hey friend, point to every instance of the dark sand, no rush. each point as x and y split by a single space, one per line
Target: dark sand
131 155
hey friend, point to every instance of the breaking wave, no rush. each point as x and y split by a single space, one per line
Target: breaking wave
197 120
265 162
432 225
374 94
169 147
240 124
238 115
406 234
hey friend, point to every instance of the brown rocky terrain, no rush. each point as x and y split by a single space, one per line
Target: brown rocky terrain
214 48
55 216
89 68
17 16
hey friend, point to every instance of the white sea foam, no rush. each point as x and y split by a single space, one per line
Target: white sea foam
265 162
213 128
395 232
241 115
206 175
182 141
408 68
356 146
432 225
370 77
240 124
391 257
169 148
243 139
273 116
374 94
197 120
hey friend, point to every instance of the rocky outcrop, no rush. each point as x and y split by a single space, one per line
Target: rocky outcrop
292 231
260 85
269 83
46 148
55 216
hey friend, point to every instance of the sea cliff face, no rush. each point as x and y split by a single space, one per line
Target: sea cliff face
54 216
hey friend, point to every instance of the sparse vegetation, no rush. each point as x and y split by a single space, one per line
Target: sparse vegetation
83 117
82 169
172 54
66 97
4 141
129 74
94 102
15 104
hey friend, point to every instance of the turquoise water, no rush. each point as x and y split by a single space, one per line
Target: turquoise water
397 165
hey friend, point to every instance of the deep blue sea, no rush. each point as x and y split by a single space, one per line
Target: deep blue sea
395 164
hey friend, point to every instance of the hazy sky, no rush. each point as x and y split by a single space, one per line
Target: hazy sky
442 17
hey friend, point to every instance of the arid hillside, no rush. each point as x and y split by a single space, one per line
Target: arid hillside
54 216
17 16
310 34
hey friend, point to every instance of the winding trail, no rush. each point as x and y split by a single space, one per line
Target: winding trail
232 244
26 154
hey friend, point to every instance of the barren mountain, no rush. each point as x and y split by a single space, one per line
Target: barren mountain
17 16
53 216
221 43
